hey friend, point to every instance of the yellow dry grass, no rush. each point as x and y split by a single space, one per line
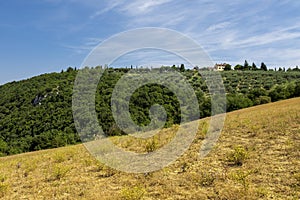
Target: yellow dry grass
265 138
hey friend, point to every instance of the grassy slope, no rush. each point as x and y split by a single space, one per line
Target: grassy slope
269 133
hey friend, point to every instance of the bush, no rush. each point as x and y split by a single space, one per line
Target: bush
277 93
297 89
235 102
241 177
238 156
262 100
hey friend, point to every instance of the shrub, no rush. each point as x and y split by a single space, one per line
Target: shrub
241 177
238 156
262 100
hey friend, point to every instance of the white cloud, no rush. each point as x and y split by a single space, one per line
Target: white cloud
263 39
112 4
218 27
88 45
234 30
131 8
141 7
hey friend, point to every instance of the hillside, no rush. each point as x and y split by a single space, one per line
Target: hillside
36 113
256 157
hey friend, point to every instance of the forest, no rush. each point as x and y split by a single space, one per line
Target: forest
37 113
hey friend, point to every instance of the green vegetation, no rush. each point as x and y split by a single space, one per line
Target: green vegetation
269 134
151 145
28 125
238 156
59 172
37 114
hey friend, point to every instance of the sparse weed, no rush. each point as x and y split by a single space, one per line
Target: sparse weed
99 167
151 145
269 168
238 156
106 171
202 130
2 178
59 157
261 192
4 187
135 193
87 162
59 172
29 167
127 143
184 167
207 178
254 130
241 177
232 193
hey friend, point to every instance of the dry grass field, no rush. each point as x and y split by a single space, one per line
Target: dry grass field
257 157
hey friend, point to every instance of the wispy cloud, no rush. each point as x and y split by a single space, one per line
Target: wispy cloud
263 39
148 58
218 27
88 45
132 8
140 7
259 31
229 30
162 44
106 8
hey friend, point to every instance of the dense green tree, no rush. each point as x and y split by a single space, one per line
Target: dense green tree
182 69
277 93
262 100
70 69
256 92
227 67
238 67
237 101
263 67
296 68
297 89
254 67
246 65
49 123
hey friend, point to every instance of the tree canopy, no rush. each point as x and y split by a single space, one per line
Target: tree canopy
37 113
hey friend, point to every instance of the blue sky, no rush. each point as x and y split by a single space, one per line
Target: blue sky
40 36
